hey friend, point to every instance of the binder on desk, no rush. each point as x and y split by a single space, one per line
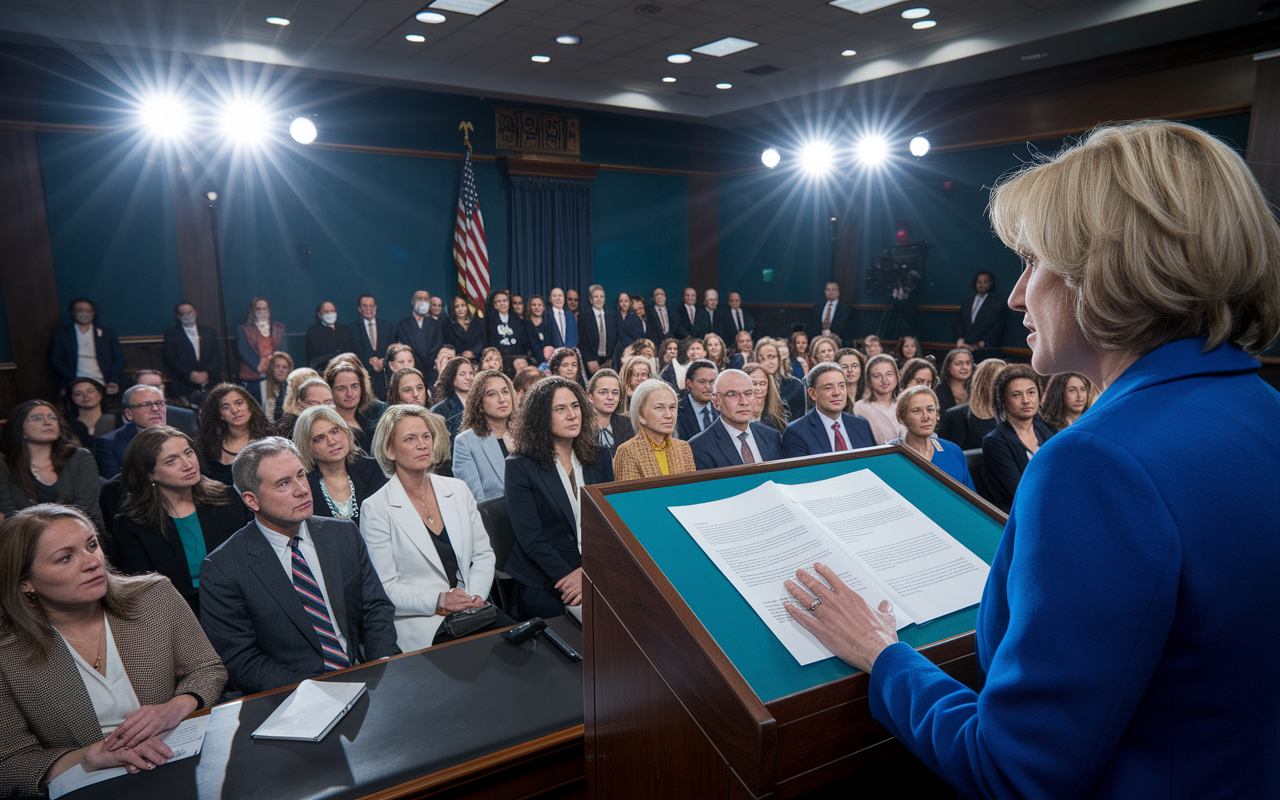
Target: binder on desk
310 711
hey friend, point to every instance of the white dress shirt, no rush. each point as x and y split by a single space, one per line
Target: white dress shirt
691 312
600 327
697 412
831 432
977 304
194 335
573 496
559 314
87 360
280 543
735 435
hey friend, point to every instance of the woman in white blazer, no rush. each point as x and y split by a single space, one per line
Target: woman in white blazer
425 537
480 448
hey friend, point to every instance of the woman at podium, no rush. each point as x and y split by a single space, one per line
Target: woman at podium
1126 635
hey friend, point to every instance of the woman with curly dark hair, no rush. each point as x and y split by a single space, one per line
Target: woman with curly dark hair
555 455
229 419
567 363
451 391
45 463
1006 451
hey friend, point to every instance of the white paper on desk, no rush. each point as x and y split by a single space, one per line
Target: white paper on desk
185 741
310 711
759 539
928 573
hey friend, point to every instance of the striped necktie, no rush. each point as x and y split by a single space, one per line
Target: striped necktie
313 603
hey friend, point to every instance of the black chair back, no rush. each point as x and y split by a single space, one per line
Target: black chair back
498 524
974 459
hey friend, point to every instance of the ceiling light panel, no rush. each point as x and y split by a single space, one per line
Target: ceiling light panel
862 6
473 7
725 46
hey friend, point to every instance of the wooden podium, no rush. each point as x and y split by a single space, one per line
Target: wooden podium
687 692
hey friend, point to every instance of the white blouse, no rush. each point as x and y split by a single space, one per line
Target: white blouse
112 694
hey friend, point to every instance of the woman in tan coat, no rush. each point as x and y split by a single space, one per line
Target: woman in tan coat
654 451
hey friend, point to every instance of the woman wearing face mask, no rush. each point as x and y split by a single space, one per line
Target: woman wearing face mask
84 410
506 331
257 339
327 337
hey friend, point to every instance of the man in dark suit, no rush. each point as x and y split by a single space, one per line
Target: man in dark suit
596 351
735 439
826 429
659 323
192 354
422 333
184 419
83 349
831 316
695 413
686 318
734 320
290 596
144 407
327 337
371 336
709 317
981 321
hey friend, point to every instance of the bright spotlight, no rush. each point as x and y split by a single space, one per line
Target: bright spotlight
165 117
816 158
919 146
770 157
871 150
303 130
245 122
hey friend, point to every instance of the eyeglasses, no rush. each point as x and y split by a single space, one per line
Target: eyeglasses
39 418
151 406
732 395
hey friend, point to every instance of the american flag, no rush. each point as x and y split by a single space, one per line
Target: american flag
469 250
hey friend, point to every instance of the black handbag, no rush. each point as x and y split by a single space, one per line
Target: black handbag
468 621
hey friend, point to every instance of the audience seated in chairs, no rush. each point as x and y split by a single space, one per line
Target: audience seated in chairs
279 366
229 419
291 596
801 356
822 350
717 350
97 668
766 405
612 426
555 455
310 393
341 476
524 379
872 346
828 428
635 371
567 363
1006 451
917 410
968 423
743 344
919 372
876 407
696 412
735 439
84 412
791 391
144 407
908 349
451 392
953 386
655 450
425 536
45 464
668 352
291 406
1067 396
480 449
688 351
407 387
491 358
853 363
171 516
353 396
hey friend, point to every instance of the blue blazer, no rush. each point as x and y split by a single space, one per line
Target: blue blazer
64 354
713 448
451 409
546 546
687 424
1128 554
793 395
109 449
807 436
479 463
570 328
589 334
1004 459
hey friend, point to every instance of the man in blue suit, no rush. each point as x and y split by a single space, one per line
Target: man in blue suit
735 439
564 325
695 413
372 336
826 429
144 408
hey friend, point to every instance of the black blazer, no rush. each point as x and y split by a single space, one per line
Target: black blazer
251 613
137 549
546 546
729 326
64 354
366 476
541 336
988 328
425 341
363 349
839 321
706 322
653 325
687 423
512 343
589 334
629 330
793 396
1004 459
714 448
620 424
680 321
180 360
323 343
471 339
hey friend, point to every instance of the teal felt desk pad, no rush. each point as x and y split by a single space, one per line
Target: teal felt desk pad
764 662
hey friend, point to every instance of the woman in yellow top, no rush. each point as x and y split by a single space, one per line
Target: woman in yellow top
653 451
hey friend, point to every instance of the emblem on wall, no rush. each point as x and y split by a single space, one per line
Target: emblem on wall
541 132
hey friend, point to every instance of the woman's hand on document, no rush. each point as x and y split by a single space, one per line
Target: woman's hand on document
840 618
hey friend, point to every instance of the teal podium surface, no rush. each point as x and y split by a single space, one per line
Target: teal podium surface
687 687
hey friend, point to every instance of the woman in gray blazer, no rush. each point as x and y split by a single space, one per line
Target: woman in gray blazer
480 450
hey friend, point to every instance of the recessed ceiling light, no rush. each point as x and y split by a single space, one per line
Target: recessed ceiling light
473 7
540 59
413 37
924 24
725 46
861 6
680 58
668 80
847 53
430 17
568 38
724 85
915 13
277 20
302 130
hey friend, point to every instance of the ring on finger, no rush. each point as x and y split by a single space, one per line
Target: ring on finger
817 601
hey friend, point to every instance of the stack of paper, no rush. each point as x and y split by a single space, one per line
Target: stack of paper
311 711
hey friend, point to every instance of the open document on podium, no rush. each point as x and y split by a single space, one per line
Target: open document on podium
881 545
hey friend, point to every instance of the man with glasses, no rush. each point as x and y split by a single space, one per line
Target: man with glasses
144 407
735 439
695 413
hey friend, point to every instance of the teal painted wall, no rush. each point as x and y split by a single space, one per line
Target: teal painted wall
640 229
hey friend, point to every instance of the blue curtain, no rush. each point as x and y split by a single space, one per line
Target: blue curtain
550 235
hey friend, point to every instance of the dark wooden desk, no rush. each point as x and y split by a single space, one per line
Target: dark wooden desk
477 718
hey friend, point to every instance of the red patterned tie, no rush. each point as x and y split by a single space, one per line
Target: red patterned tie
747 458
841 444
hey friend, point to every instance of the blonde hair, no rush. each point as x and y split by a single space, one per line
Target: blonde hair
293 383
387 428
641 398
980 383
302 434
904 399
1159 231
